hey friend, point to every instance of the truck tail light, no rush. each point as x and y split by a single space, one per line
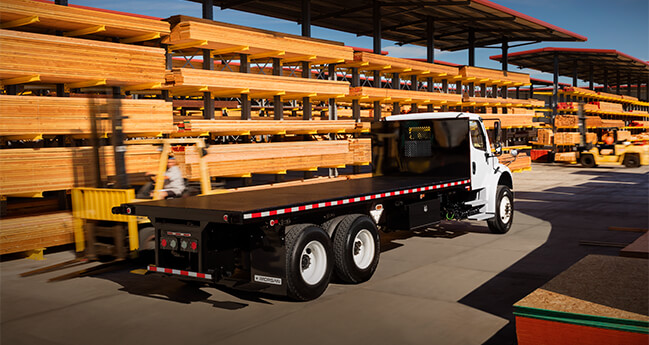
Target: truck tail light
194 245
163 243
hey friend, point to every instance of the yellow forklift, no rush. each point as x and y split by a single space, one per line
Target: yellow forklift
609 150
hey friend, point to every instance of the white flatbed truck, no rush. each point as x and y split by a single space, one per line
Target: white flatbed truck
289 241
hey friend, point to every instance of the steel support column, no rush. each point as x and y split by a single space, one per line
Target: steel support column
208 101
591 82
117 140
445 90
628 87
574 74
244 67
332 101
555 86
505 51
61 2
306 101
208 9
471 47
431 88
605 80
617 82
306 18
60 91
278 105
430 39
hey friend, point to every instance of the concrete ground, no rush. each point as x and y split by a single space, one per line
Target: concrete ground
454 284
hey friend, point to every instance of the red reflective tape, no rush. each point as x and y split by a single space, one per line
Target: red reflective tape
301 208
200 275
256 215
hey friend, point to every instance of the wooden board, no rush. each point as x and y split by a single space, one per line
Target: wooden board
487 76
368 61
243 159
370 94
500 102
508 120
35 232
195 81
29 115
519 163
269 126
221 36
68 60
71 18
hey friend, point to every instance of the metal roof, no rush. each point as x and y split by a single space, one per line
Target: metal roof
605 64
405 22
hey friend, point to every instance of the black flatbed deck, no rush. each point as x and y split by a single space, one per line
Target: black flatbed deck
243 207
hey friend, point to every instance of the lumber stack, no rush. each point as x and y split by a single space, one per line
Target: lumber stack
493 77
608 107
28 115
519 163
71 19
600 300
544 136
60 168
55 59
568 157
273 158
387 64
194 81
612 123
500 102
33 232
567 138
508 120
223 38
272 127
370 94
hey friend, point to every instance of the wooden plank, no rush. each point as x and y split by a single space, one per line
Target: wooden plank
495 76
370 94
71 18
219 81
32 232
258 127
426 69
71 60
224 36
29 115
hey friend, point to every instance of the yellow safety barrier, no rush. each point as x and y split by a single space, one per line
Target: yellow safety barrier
96 204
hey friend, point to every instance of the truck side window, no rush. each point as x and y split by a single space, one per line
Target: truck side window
477 136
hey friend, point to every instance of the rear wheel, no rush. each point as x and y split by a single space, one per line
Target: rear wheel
631 160
309 261
356 248
146 237
587 161
502 222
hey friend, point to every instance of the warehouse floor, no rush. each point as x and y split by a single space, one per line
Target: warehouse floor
455 284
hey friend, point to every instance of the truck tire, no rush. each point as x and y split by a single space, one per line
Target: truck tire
356 248
631 160
587 161
502 222
146 236
309 261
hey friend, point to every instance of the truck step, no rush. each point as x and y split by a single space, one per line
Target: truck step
480 216
475 203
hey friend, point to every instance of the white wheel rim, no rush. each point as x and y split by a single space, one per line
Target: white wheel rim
313 262
363 249
505 210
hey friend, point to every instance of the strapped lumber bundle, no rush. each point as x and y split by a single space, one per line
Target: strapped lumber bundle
223 38
387 64
500 102
55 59
269 127
369 94
519 163
28 115
612 123
33 232
74 20
608 107
493 77
508 120
195 81
58 168
272 158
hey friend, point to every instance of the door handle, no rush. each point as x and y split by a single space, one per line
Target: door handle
474 167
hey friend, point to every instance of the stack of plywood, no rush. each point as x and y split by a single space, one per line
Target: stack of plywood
55 59
273 127
27 115
273 158
609 107
59 168
73 20
27 233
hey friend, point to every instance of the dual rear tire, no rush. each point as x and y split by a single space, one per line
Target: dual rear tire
312 255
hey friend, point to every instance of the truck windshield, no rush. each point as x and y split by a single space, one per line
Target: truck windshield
422 147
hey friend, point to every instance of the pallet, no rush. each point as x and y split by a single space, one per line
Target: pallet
269 127
38 116
78 62
223 38
74 19
21 234
383 95
186 81
275 158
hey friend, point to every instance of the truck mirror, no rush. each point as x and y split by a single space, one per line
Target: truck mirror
513 152
497 131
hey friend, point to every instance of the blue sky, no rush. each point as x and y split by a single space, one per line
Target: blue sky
622 25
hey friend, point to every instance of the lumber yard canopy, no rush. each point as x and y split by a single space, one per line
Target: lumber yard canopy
454 24
601 66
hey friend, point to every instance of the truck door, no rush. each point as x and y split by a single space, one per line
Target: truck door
481 163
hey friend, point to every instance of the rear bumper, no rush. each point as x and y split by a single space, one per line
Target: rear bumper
179 273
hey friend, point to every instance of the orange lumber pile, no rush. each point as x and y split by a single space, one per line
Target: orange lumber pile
225 38
508 120
60 168
612 123
580 91
370 61
569 157
272 158
572 121
262 127
34 232
609 107
70 19
195 81
369 94
544 136
55 59
623 135
566 138
492 76
521 162
22 115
